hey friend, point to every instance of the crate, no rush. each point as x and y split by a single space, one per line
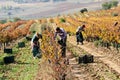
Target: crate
87 58
90 58
21 44
9 59
8 50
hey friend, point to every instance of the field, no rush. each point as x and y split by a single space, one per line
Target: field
101 39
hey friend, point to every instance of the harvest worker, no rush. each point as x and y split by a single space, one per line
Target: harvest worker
36 45
79 35
63 37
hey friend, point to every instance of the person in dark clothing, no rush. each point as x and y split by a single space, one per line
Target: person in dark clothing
63 35
36 45
79 35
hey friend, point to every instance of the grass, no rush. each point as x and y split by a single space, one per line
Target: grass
24 68
75 50
36 27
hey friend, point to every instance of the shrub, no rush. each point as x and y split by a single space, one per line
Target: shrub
108 5
98 43
2 21
83 10
33 32
62 20
114 14
114 3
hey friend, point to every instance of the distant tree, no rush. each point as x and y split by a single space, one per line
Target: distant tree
114 3
106 5
109 5
83 10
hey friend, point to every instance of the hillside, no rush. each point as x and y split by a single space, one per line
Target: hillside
45 9
101 39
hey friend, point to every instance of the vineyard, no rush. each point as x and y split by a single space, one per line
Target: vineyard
102 40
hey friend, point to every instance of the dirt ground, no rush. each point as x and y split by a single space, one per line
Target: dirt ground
105 66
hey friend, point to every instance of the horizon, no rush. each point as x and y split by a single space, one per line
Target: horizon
46 9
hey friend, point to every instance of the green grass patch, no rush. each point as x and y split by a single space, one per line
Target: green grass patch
24 68
75 50
36 27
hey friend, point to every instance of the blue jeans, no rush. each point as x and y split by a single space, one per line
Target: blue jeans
35 51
